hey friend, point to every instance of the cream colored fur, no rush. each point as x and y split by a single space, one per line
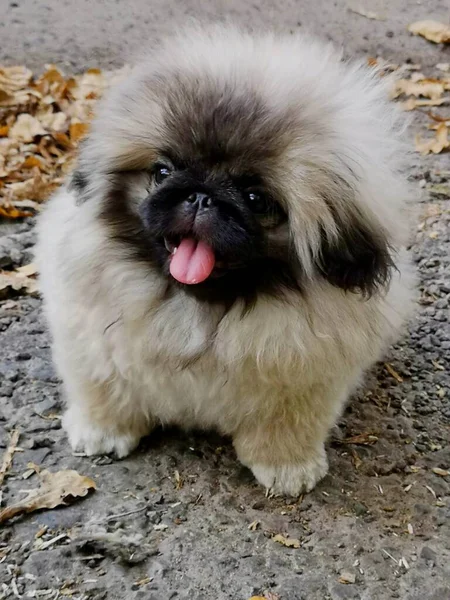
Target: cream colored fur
277 379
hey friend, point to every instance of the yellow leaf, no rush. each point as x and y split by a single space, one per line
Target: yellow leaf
428 88
288 542
433 31
56 489
434 145
77 131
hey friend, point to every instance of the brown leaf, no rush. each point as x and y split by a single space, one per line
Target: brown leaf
285 541
77 131
434 145
56 489
433 31
18 282
8 211
428 88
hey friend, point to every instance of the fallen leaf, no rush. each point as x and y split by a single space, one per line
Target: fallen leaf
26 128
347 578
285 541
434 145
254 525
441 472
428 88
8 456
28 270
8 211
413 103
56 489
17 282
433 31
13 79
77 131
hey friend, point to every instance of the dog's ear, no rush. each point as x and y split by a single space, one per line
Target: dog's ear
358 257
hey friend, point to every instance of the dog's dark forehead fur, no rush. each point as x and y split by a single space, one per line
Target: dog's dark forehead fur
221 123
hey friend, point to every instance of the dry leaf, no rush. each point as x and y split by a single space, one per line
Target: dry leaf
77 131
57 489
8 456
433 31
288 542
26 128
42 121
28 270
413 103
441 472
13 79
435 145
8 211
18 282
428 88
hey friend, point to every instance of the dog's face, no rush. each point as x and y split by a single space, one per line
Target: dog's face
229 191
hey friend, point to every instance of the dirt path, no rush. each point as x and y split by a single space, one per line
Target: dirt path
180 519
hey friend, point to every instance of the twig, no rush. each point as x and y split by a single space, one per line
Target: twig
124 514
49 543
390 555
8 457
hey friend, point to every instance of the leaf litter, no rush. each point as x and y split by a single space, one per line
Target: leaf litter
56 489
42 121
433 31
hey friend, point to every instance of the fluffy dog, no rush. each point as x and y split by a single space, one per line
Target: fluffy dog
229 251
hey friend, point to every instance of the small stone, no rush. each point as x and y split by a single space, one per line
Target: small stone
347 577
428 554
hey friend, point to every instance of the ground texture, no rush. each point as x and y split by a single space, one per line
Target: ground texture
180 519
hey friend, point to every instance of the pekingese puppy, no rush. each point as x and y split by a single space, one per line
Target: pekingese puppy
228 252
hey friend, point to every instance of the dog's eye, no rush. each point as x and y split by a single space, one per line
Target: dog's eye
161 172
257 202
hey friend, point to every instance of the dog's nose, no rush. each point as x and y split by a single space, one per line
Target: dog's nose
200 200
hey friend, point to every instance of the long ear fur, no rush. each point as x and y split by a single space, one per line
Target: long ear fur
358 259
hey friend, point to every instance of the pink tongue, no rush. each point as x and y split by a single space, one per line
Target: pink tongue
193 261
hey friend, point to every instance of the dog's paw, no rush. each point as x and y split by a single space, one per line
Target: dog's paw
292 480
91 439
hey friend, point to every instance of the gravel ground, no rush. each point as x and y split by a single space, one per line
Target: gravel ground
181 519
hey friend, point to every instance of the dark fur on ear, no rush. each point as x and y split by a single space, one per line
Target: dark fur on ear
359 260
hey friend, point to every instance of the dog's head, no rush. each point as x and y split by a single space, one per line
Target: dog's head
222 162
